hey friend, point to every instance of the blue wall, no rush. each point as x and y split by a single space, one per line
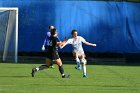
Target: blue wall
113 26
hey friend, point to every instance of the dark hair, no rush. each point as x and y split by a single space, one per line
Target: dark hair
53 31
73 31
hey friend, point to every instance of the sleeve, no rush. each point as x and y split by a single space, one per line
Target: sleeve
69 41
58 39
82 39
46 41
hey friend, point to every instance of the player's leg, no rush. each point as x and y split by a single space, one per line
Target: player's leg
48 62
61 69
45 66
51 64
78 67
75 55
84 62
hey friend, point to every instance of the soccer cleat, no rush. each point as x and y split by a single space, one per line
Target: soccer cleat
66 76
78 68
85 76
33 72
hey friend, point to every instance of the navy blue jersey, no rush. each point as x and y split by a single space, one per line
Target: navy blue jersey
47 40
52 49
53 44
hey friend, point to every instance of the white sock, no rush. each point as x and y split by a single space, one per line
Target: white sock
37 68
78 62
63 74
84 69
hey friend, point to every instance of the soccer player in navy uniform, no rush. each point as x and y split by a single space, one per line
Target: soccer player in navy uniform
52 55
46 41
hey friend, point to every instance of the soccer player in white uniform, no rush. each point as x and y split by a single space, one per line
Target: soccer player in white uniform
78 52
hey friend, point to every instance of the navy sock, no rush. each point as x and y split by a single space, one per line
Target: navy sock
61 70
43 67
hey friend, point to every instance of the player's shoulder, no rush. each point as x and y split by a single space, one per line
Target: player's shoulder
48 33
79 37
70 39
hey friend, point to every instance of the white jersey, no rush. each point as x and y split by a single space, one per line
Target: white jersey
76 44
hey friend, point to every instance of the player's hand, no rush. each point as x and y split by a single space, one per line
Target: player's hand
43 48
93 44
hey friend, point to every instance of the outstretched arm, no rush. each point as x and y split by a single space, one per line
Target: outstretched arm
87 43
65 42
62 44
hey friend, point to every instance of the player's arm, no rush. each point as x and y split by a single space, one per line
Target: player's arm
43 46
64 43
87 43
46 40
58 41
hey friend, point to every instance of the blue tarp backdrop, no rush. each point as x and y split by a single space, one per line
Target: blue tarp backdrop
113 26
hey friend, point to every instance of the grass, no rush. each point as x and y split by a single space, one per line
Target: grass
16 78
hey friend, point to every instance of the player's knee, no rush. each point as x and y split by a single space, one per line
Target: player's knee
83 61
59 63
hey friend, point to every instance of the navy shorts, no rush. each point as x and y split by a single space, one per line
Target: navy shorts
53 55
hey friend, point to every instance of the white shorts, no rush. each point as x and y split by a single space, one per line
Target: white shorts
79 54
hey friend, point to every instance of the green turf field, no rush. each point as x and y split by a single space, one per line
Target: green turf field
16 78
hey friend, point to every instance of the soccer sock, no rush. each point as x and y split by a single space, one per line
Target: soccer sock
61 70
42 67
78 62
84 69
